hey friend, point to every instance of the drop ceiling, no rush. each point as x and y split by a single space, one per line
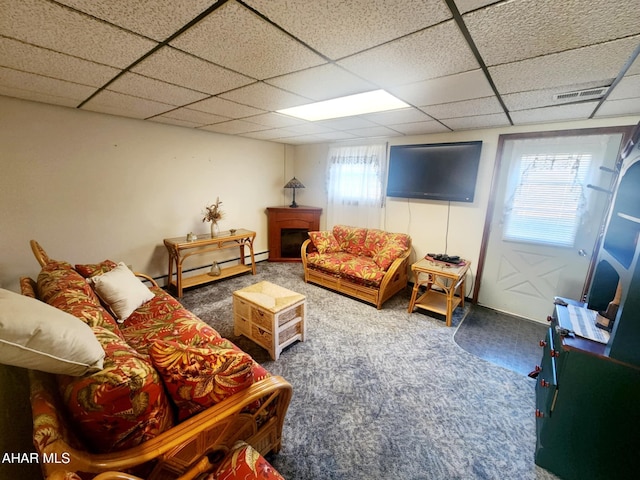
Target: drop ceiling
227 66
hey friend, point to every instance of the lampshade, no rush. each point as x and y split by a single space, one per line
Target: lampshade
294 183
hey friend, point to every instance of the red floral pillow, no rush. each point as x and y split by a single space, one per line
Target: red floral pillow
351 239
324 242
246 463
91 269
198 378
387 254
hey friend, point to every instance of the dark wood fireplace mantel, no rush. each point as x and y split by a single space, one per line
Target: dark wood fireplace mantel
288 228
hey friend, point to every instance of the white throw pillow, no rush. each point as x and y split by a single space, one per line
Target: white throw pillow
40 337
122 291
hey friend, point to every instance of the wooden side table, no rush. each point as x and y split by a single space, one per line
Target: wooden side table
270 315
180 249
449 278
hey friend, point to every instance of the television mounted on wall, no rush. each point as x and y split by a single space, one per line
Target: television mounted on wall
436 171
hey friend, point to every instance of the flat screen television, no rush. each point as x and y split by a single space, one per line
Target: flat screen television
437 171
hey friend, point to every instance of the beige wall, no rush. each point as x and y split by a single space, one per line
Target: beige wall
425 220
89 186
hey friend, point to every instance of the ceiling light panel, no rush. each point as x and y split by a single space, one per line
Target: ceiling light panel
538 27
358 104
173 66
74 33
408 59
338 29
156 19
238 39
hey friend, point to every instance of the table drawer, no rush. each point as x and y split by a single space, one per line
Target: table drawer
241 307
242 325
290 331
290 314
261 318
261 336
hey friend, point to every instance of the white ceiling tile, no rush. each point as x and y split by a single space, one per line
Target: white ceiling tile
175 121
538 27
194 116
393 117
240 40
553 114
53 26
335 136
226 108
309 128
544 98
420 128
479 121
378 131
452 88
409 60
468 5
149 88
588 64
341 28
125 105
275 120
348 123
234 127
270 134
465 108
301 139
32 59
173 66
264 96
156 19
629 87
30 87
322 83
614 108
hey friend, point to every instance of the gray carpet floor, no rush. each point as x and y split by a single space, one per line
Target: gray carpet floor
384 394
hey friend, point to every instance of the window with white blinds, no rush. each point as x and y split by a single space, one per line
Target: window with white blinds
548 198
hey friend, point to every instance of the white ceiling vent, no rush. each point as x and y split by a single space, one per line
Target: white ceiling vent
587 94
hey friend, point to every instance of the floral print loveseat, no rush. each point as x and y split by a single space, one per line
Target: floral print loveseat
369 264
170 399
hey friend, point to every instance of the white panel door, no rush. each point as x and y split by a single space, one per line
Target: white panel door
521 274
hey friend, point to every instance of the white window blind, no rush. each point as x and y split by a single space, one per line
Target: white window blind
548 199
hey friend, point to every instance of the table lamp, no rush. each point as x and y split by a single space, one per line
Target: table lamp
294 183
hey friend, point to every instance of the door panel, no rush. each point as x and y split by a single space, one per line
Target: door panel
522 278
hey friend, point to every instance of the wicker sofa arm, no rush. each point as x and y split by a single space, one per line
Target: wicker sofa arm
179 449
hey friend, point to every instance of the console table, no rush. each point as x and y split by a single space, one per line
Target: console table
180 249
448 277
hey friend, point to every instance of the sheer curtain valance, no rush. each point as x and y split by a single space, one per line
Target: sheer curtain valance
355 180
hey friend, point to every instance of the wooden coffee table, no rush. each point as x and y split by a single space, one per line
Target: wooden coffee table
270 315
447 277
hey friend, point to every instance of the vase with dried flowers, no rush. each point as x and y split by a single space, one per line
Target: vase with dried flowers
213 214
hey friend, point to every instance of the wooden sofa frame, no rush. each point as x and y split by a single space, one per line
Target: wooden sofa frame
395 279
182 452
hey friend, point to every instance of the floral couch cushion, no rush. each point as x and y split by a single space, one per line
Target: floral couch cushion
243 462
122 405
351 239
198 378
324 242
359 269
164 319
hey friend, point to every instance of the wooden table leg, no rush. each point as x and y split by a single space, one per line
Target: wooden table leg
414 295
